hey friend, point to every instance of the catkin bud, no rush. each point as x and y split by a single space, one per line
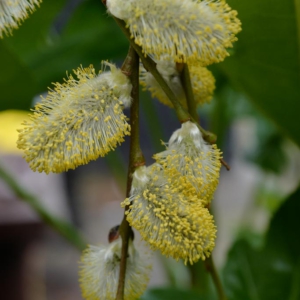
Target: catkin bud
78 121
188 155
182 29
169 216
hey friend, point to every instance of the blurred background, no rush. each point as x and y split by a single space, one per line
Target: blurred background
254 114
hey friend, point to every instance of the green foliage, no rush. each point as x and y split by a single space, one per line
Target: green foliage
37 55
272 272
269 152
17 83
172 294
266 61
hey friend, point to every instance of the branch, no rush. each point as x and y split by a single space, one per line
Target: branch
210 266
188 89
65 229
150 65
136 158
192 108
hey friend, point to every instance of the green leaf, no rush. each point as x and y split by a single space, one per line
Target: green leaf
50 55
172 294
89 37
17 84
272 272
284 232
34 33
18 80
266 61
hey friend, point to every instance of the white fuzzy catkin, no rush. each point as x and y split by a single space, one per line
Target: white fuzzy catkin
100 267
188 155
78 121
182 29
168 215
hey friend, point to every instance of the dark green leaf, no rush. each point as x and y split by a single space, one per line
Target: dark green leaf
172 294
17 84
90 37
266 61
284 232
272 272
269 152
35 32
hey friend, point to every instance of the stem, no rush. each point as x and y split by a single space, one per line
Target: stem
65 229
136 158
188 89
150 65
210 266
192 107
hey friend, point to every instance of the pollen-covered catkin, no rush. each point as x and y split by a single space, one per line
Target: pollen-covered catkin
100 267
13 12
188 155
78 121
203 82
182 29
169 216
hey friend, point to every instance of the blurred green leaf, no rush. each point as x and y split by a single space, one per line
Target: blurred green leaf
18 80
269 151
266 62
172 294
17 84
34 34
272 272
89 37
201 280
284 232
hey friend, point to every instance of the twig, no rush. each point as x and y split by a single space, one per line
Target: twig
225 164
210 266
188 89
63 228
192 108
150 65
136 158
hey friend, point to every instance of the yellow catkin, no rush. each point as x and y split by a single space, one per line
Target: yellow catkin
100 267
169 216
184 30
77 122
13 12
189 156
203 83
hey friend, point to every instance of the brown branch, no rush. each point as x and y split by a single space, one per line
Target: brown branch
188 89
136 158
225 164
210 266
192 108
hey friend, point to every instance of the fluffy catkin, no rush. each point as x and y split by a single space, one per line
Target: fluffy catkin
100 267
78 121
169 216
188 155
181 29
